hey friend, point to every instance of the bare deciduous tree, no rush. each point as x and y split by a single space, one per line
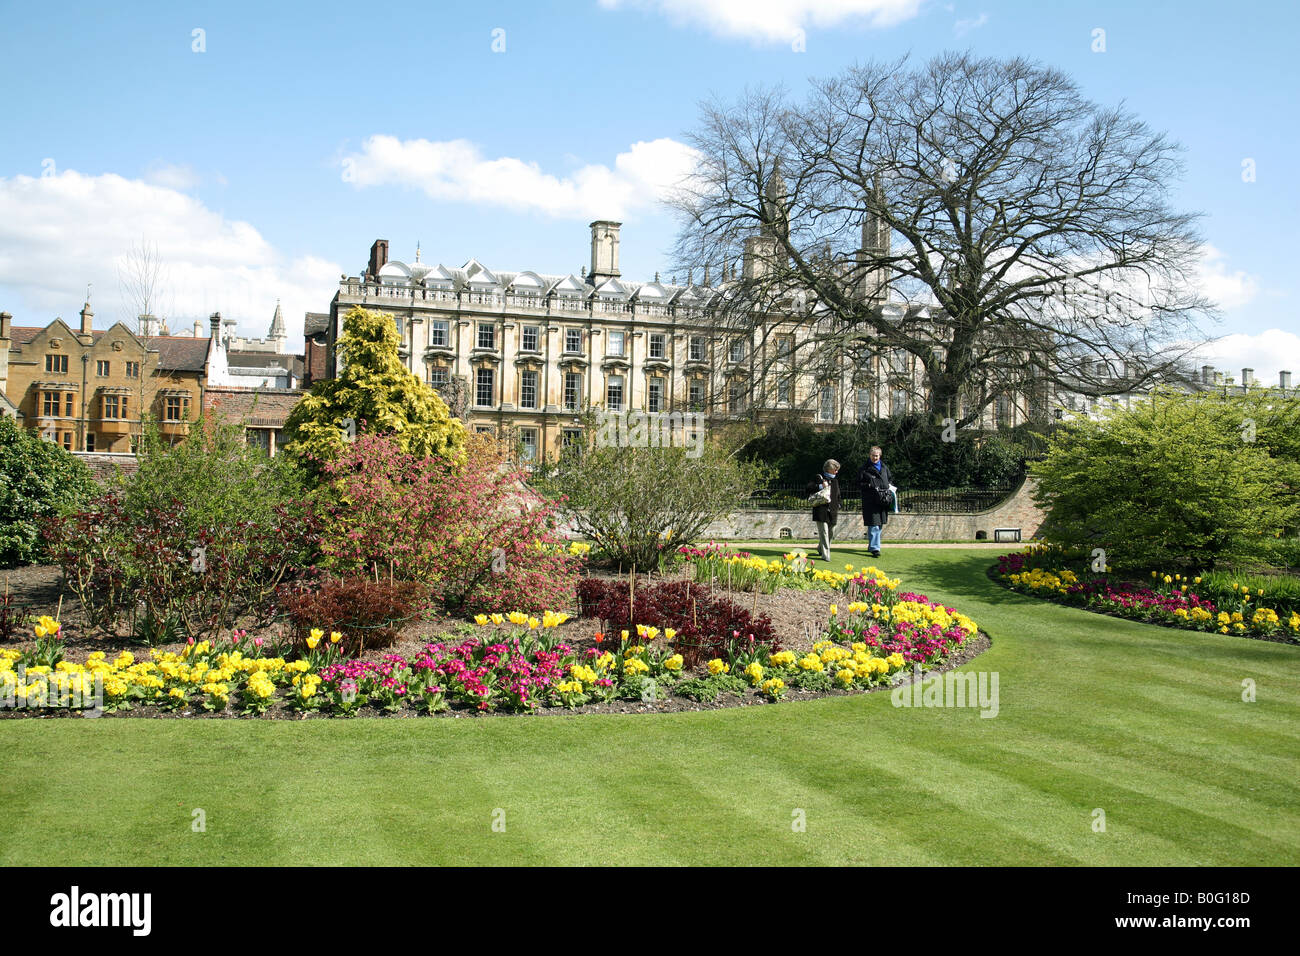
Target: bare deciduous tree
141 277
978 215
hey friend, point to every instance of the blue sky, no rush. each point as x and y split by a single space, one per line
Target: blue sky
263 166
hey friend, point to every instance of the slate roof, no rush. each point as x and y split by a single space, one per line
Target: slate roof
181 353
253 406
176 353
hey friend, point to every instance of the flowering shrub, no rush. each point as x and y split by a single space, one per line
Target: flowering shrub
1170 599
468 531
706 624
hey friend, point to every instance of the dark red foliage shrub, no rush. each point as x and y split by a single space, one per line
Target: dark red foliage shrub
367 613
707 624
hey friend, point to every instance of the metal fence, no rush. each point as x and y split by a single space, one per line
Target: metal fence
792 497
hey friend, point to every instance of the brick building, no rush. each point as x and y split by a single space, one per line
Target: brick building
87 388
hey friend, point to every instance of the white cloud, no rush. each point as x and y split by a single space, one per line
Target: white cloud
963 27
180 177
61 232
456 171
1266 352
773 21
1229 289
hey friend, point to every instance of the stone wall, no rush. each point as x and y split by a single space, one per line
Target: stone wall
1016 511
103 463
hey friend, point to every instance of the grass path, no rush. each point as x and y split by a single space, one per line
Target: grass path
1144 723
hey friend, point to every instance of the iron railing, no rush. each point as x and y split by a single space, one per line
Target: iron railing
792 497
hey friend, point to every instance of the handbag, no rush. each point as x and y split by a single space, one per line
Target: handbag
822 496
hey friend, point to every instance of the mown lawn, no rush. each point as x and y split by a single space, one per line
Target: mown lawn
1144 723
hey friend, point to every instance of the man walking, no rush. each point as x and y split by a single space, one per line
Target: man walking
826 505
875 482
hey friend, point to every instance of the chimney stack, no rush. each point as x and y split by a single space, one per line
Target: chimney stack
378 257
1247 376
1284 380
87 319
5 319
1207 374
604 250
214 321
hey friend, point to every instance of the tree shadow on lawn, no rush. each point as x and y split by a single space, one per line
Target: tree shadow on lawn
967 577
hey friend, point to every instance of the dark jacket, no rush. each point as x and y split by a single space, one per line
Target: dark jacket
831 512
876 500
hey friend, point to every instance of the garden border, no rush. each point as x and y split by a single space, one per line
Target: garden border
992 572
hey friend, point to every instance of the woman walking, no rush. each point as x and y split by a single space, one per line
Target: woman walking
825 492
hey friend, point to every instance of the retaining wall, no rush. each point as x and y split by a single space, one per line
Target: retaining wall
1016 511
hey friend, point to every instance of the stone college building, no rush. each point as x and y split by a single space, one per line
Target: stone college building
533 350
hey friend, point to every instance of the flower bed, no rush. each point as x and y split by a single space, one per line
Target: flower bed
1170 600
742 571
513 663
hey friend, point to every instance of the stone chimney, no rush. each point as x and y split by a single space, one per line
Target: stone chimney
198 328
87 319
1284 380
214 322
1247 376
604 250
378 257
1207 374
